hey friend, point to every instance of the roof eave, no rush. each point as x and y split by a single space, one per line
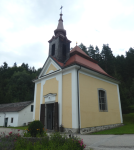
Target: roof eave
110 77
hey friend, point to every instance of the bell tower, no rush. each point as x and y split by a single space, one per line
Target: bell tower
59 45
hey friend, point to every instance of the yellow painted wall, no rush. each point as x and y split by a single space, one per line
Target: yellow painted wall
89 107
50 86
67 100
37 108
51 68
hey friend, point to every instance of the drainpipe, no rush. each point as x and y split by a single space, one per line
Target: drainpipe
78 98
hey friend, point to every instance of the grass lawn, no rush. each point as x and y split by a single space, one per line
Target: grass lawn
128 128
21 128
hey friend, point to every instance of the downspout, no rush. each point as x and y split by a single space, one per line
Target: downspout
78 100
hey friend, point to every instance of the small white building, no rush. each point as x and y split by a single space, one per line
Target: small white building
16 114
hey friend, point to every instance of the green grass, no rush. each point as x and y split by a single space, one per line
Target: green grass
128 128
21 128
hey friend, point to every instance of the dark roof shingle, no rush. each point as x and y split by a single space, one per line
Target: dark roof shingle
14 107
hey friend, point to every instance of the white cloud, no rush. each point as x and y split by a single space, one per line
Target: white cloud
27 25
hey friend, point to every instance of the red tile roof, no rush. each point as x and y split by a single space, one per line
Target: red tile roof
76 48
79 57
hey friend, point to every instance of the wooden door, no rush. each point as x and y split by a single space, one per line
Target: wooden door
50 116
56 117
42 114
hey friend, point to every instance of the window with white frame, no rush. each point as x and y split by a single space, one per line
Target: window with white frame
32 107
11 120
102 100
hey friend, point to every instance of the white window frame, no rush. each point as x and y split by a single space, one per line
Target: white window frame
12 120
105 98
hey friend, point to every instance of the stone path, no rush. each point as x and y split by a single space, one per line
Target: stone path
7 130
109 142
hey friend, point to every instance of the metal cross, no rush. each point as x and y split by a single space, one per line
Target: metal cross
61 9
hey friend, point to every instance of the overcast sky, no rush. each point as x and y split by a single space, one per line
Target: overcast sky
27 25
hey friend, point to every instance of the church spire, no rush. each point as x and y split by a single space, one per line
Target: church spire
60 27
59 45
60 24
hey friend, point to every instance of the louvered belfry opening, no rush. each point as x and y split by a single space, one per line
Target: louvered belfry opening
64 50
53 49
49 116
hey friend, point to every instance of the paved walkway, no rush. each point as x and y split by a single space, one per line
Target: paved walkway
109 142
97 142
7 130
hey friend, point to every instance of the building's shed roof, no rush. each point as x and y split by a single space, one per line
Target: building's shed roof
14 107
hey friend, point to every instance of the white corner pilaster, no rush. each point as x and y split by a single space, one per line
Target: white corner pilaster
35 88
119 103
59 78
74 99
41 96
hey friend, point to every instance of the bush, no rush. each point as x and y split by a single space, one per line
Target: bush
127 110
35 128
54 142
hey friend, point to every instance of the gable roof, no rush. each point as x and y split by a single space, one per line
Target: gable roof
14 107
79 57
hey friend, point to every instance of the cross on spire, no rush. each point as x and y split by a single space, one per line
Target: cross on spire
61 9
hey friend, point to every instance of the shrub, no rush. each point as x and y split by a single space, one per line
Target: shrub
54 142
127 110
35 128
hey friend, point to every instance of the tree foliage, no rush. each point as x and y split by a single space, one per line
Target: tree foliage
16 83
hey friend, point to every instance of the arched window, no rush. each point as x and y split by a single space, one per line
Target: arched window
64 50
53 49
102 100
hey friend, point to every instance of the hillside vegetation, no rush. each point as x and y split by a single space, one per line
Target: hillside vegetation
16 82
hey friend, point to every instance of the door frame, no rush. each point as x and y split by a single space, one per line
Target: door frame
52 116
6 122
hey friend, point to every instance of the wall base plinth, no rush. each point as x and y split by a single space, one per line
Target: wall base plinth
99 128
71 130
92 129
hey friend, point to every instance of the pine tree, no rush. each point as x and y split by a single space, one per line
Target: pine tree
107 59
97 53
84 48
91 51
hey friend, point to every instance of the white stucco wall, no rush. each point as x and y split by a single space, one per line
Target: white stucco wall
9 115
2 119
25 115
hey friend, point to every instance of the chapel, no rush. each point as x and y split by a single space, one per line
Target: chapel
73 91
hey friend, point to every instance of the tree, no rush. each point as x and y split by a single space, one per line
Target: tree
25 66
91 51
97 53
130 62
107 59
5 66
16 83
21 86
83 47
15 64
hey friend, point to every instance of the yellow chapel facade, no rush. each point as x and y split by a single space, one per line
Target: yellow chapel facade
72 90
